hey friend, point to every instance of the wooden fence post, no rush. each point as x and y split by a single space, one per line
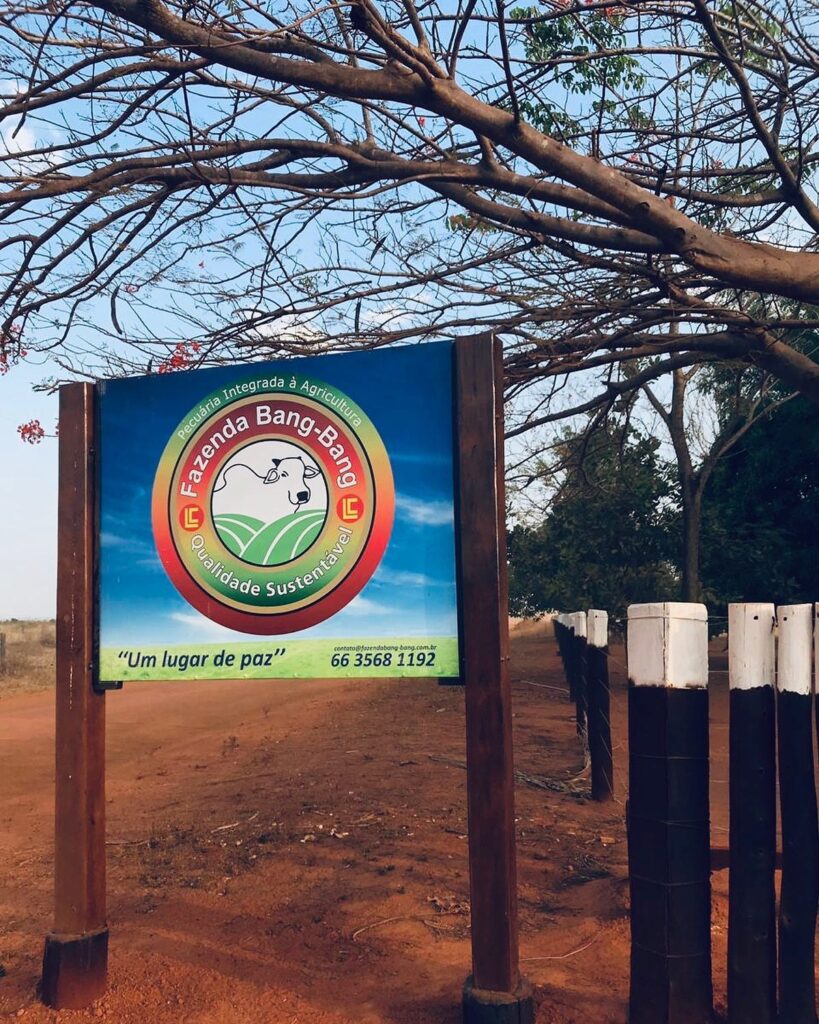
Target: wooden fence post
581 680
752 843
571 661
668 818
2 654
75 961
565 648
560 637
816 668
494 993
599 706
800 838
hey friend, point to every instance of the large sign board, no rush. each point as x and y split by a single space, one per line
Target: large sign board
159 510
285 519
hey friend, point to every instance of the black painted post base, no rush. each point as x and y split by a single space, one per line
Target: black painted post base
668 815
75 969
484 1007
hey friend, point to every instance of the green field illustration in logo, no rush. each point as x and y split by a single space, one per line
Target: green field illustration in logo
267 544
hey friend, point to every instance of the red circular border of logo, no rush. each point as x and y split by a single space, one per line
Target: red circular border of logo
277 623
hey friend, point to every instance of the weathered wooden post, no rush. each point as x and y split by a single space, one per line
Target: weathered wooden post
2 654
800 838
816 668
565 653
560 637
495 993
599 705
565 646
668 819
580 669
75 961
752 785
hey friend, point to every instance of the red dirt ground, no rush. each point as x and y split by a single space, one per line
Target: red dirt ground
294 852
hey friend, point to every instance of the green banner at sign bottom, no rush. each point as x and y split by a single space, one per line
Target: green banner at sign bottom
285 659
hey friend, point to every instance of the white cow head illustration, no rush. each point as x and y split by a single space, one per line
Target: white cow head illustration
268 480
291 475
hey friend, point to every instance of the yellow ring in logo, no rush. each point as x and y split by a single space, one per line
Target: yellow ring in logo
272 506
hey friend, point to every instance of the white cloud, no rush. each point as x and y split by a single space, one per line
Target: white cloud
135 546
112 540
425 513
16 137
24 141
153 564
395 316
402 578
366 606
203 625
286 329
144 552
19 141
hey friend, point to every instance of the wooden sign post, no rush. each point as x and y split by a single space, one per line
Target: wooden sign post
495 992
76 951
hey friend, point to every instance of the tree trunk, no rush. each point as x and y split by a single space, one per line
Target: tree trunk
692 525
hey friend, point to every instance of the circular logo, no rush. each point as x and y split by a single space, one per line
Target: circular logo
273 504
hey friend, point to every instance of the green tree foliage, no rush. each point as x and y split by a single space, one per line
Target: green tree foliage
611 534
605 539
575 36
760 541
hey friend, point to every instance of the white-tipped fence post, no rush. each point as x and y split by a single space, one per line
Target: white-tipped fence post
571 661
599 705
668 815
568 651
816 667
797 795
561 633
580 666
752 786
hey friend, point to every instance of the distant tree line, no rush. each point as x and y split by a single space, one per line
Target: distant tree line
613 533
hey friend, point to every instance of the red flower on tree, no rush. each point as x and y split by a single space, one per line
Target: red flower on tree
183 356
31 432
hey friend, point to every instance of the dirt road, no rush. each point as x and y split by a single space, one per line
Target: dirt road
296 852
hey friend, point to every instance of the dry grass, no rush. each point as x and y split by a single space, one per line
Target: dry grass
29 657
531 627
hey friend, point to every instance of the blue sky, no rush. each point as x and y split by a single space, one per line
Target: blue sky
28 499
406 392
